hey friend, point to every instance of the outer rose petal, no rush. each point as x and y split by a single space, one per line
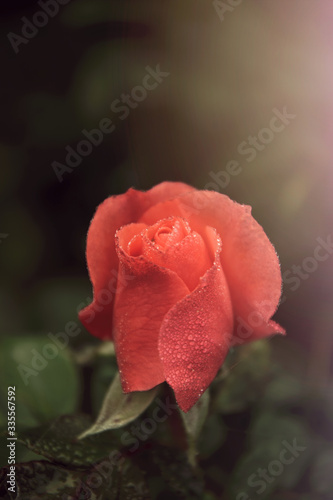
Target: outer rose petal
140 306
249 261
196 333
102 259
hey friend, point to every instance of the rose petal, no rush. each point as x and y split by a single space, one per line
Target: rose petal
149 292
188 258
196 333
102 259
249 260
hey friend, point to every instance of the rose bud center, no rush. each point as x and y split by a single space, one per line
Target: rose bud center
172 244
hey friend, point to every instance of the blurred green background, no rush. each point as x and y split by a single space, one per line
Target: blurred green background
226 77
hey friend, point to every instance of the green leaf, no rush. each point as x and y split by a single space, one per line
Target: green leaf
44 375
86 12
58 441
119 409
195 418
272 427
193 421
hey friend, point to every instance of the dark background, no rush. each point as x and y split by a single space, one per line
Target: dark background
225 79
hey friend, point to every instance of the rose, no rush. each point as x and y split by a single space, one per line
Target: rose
196 274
